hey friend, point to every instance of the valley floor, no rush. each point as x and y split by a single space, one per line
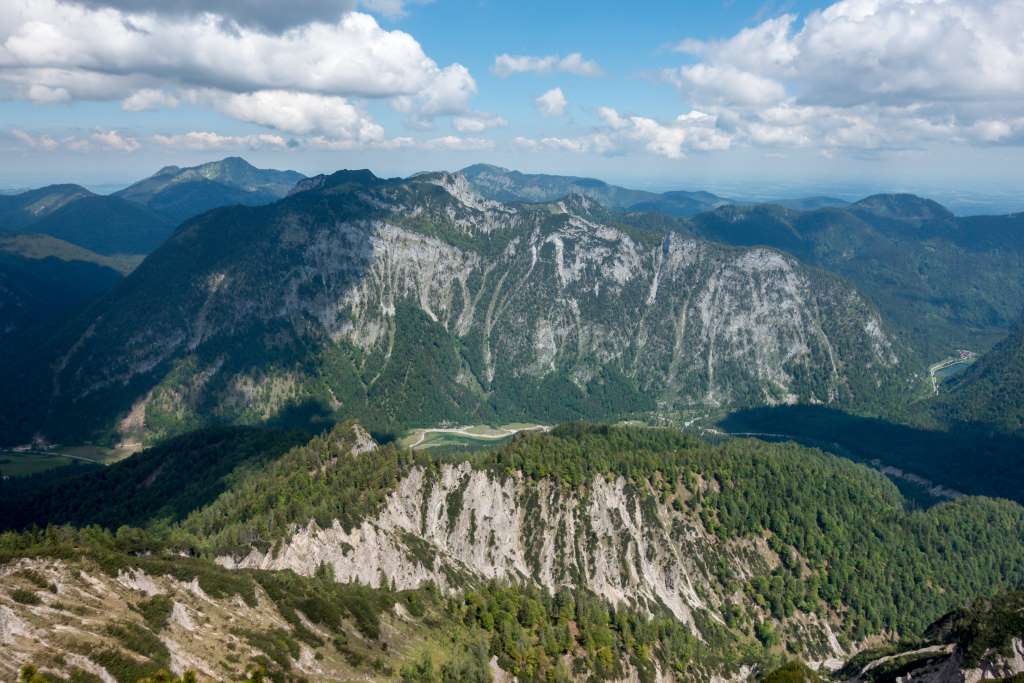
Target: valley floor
473 435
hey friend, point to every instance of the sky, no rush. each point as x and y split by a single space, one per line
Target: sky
744 97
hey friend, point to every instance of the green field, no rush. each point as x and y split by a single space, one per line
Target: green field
24 464
471 436
14 464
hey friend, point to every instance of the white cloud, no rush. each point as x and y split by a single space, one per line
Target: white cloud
100 139
149 99
449 93
695 130
353 57
867 74
727 83
43 94
260 13
53 51
612 118
598 143
43 142
506 65
454 142
300 114
552 103
112 139
204 140
476 123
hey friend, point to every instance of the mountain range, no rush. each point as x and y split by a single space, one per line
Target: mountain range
501 184
410 302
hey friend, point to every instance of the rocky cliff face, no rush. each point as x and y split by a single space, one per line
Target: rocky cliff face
361 296
460 525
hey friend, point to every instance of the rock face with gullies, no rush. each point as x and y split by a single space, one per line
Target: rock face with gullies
458 525
416 301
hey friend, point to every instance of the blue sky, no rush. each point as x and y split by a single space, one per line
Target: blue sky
746 96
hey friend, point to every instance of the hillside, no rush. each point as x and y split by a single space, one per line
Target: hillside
982 641
591 553
991 392
106 225
502 184
944 282
410 302
181 193
43 282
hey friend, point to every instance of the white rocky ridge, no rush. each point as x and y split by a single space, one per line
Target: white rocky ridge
467 523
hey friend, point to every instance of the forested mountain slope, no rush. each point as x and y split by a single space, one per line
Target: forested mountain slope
505 185
591 553
43 282
414 301
106 225
946 282
181 193
991 392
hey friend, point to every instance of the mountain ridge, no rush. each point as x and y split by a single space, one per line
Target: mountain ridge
367 269
184 192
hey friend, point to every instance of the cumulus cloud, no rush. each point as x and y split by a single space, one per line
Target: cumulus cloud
727 83
552 103
112 139
300 114
866 74
353 57
276 16
695 130
598 143
205 140
141 53
478 122
149 99
506 65
43 94
454 142
42 142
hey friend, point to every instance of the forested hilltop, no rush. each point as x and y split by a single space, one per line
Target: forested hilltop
588 553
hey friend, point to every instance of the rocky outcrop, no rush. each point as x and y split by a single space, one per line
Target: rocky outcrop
458 524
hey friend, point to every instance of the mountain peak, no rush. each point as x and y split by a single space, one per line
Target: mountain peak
903 207
343 178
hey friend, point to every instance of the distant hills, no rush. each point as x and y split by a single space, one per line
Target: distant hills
139 218
62 246
103 224
504 185
181 193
